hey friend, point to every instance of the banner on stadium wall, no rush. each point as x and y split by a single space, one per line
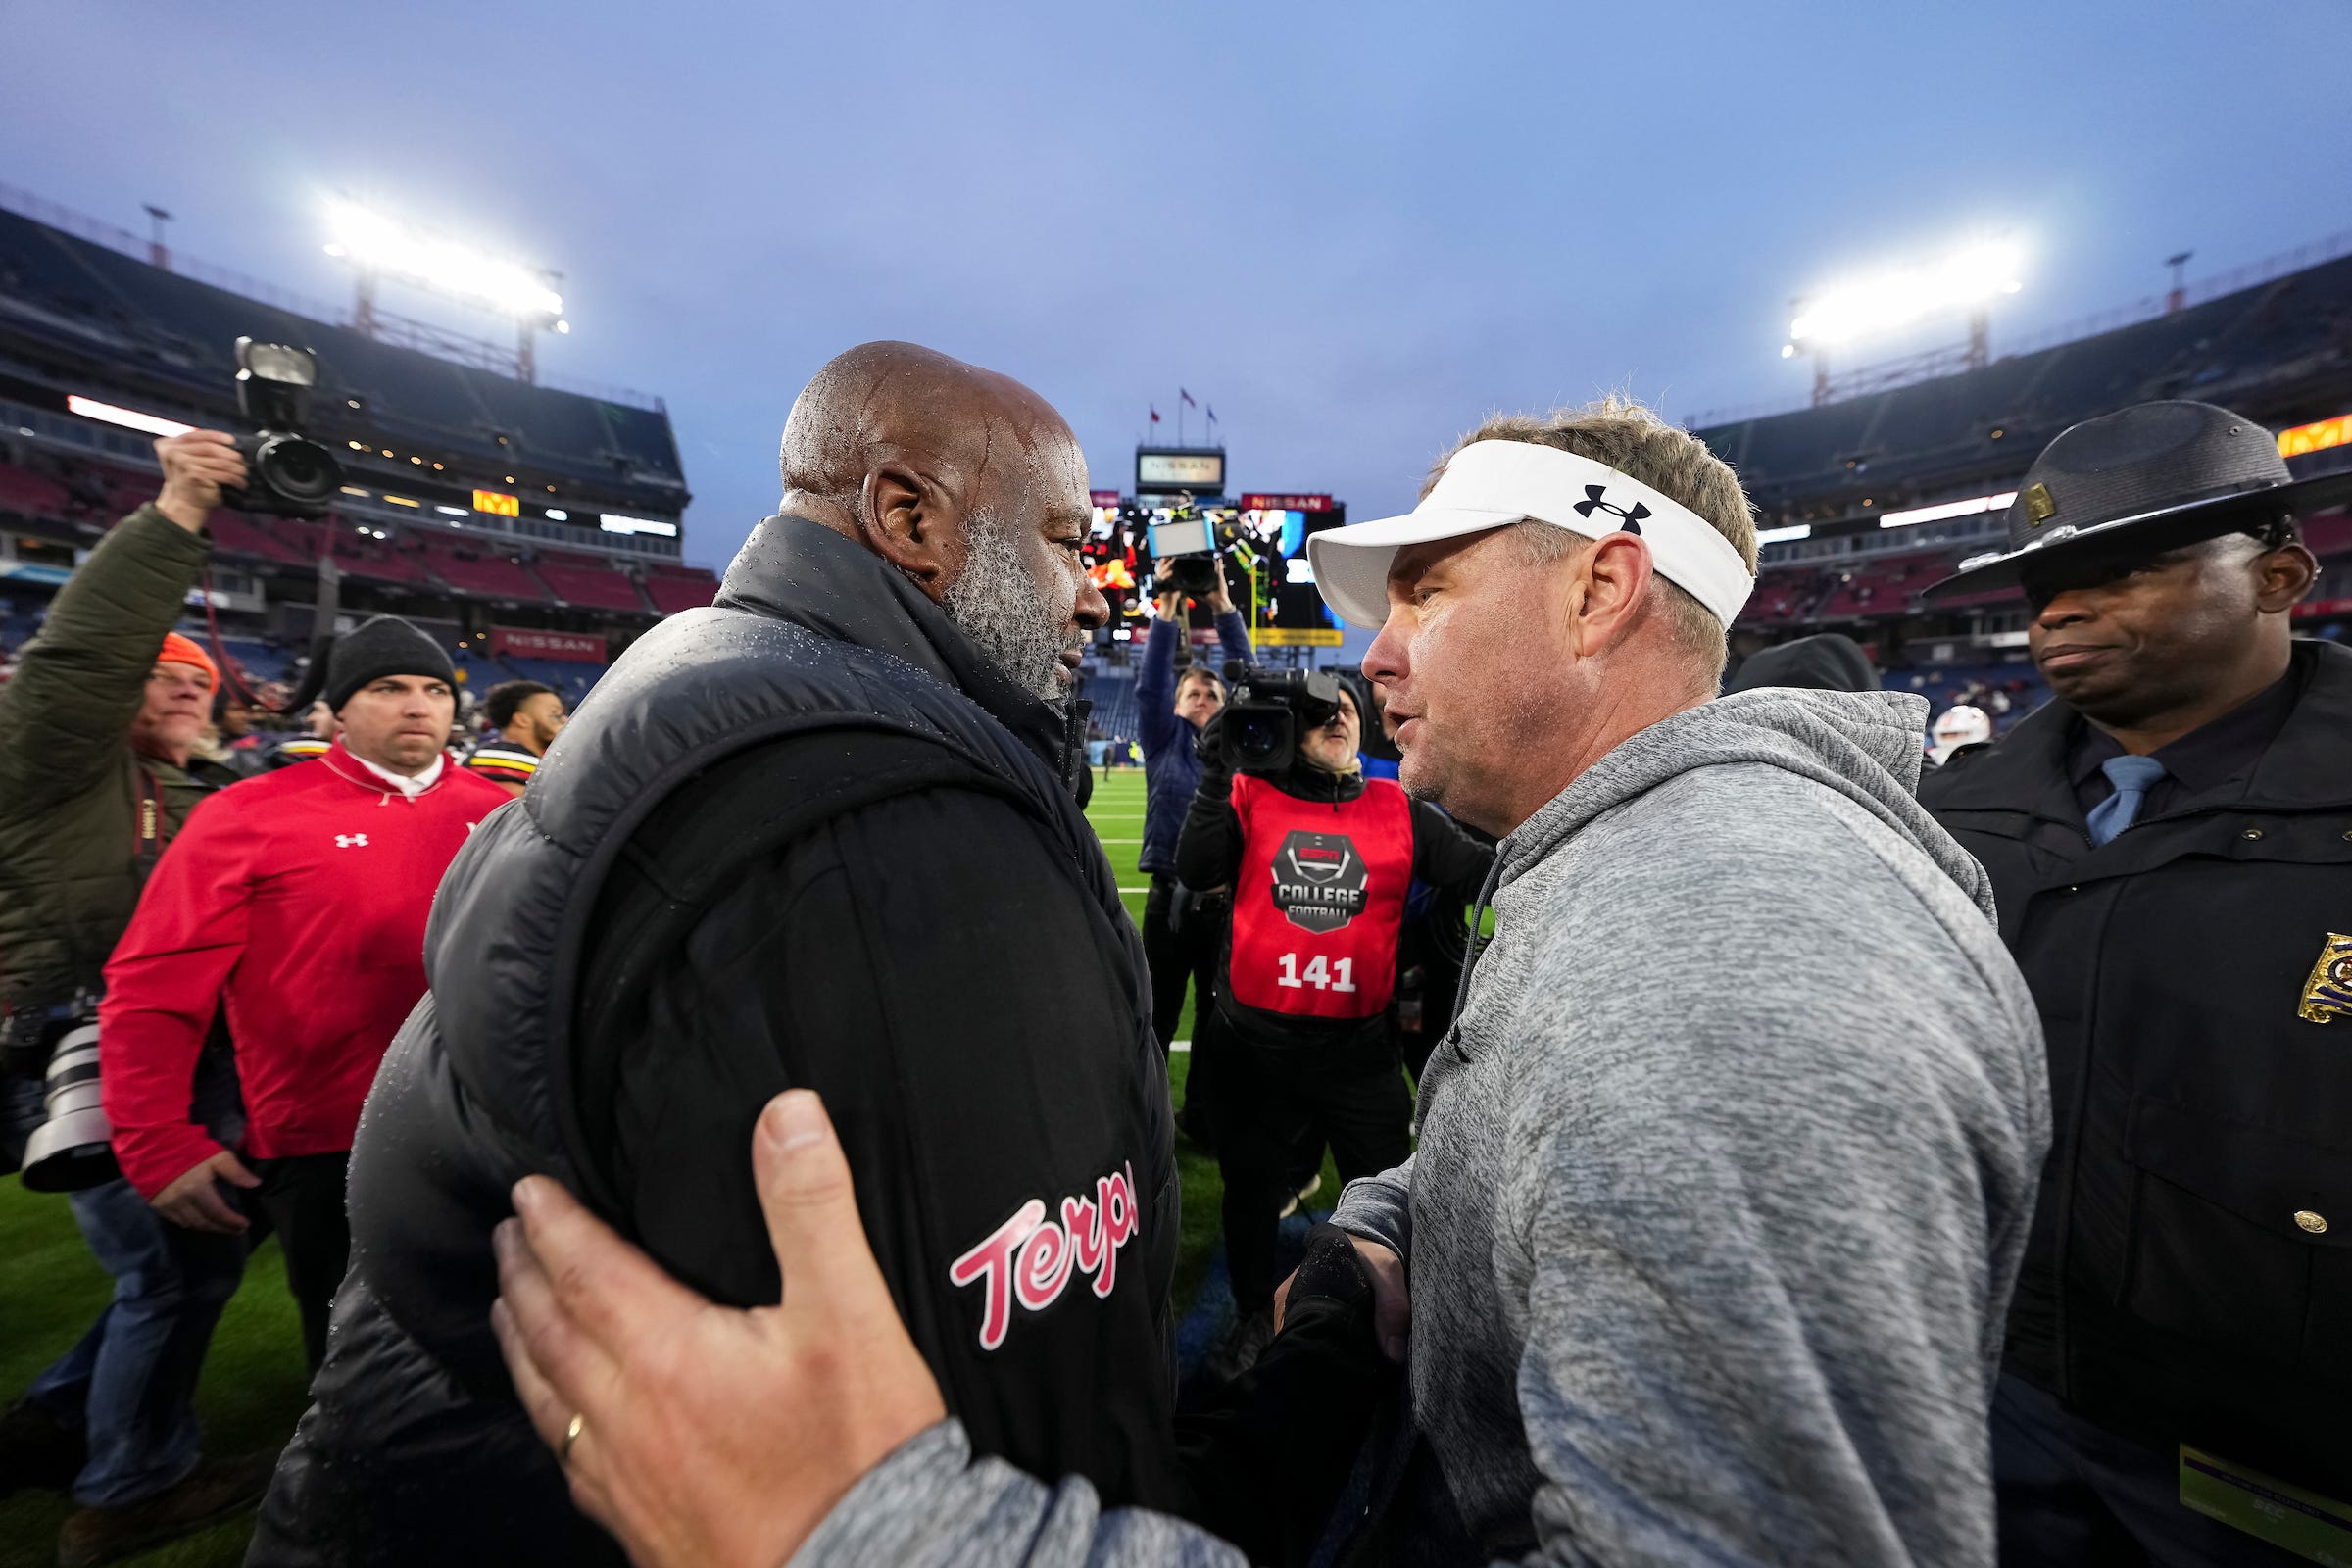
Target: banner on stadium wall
2322 606
2316 436
1295 637
525 641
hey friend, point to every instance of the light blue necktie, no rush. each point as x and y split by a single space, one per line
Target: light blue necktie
2132 777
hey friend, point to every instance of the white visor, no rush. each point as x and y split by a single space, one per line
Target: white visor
1490 483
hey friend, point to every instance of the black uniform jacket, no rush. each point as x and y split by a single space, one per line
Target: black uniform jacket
2189 1278
808 836
1208 855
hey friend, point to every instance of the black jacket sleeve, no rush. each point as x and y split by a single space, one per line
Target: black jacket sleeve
1209 852
1448 857
926 962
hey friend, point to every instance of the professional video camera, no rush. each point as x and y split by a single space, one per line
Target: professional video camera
1270 710
1187 542
287 474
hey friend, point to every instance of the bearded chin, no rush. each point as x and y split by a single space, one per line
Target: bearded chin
1009 615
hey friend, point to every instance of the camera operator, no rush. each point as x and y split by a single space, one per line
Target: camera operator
96 731
1183 929
1320 860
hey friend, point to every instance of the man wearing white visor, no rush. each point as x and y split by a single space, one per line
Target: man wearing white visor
1724 1170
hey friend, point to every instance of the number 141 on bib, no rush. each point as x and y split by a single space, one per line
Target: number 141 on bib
1334 974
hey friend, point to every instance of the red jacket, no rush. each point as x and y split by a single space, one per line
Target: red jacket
298 900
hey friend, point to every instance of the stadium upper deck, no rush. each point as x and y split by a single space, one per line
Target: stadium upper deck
2279 351
418 435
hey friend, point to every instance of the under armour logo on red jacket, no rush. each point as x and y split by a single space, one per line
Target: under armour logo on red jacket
1031 1259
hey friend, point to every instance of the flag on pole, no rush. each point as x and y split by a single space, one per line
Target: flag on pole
1211 412
1155 414
1188 398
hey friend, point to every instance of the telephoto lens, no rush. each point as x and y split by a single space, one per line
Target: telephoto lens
72 1148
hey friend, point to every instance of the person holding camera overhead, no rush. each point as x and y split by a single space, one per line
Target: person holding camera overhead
1183 929
1320 860
96 776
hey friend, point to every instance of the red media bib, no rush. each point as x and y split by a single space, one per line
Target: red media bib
1320 900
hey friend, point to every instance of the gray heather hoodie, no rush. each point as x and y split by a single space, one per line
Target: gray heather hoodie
1723 1180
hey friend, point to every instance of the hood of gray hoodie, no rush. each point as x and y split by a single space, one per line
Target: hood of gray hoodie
1864 744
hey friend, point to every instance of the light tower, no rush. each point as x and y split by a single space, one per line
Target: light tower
1965 283
381 248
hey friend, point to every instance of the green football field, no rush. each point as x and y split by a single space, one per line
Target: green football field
51 1289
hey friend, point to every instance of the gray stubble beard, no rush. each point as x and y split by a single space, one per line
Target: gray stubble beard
1007 613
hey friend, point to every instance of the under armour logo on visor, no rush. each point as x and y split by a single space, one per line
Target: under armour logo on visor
1593 502
346 841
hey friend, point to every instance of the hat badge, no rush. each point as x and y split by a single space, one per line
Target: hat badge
2040 507
2327 993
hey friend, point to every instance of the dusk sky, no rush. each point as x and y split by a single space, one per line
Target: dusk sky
1350 228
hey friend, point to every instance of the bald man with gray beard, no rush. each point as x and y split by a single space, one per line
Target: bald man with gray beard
824 833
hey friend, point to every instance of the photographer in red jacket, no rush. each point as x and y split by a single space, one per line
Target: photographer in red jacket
297 900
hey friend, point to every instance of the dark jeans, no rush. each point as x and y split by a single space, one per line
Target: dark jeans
128 1386
1183 936
301 1200
2073 1495
1270 1102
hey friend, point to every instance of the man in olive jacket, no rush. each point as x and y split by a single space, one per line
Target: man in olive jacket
2170 842
95 735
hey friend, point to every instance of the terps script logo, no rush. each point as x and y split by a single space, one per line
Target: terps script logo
1031 1259
1318 880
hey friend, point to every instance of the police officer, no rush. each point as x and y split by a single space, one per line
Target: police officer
2170 841
1320 860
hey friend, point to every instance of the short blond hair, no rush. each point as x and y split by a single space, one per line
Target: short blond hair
1632 439
1198 672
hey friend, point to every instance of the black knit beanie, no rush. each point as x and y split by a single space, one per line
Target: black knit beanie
383 646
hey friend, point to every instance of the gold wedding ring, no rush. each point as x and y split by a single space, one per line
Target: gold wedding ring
572 1435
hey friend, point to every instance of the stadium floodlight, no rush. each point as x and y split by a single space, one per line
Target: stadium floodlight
374 242
128 419
1775 536
1967 280
614 522
1970 508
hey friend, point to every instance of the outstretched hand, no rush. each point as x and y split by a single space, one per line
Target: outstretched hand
705 1435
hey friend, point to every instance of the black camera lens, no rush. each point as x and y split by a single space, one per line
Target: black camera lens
1260 740
300 471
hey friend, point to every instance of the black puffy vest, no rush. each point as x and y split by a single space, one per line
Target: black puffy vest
414 1449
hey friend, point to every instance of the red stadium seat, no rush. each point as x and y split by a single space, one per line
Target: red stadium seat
587 581
677 588
30 493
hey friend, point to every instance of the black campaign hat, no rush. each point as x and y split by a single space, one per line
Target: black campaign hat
2143 481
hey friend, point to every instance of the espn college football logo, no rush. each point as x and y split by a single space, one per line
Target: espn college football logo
1319 880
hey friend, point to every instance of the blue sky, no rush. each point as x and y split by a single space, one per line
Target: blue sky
1353 228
